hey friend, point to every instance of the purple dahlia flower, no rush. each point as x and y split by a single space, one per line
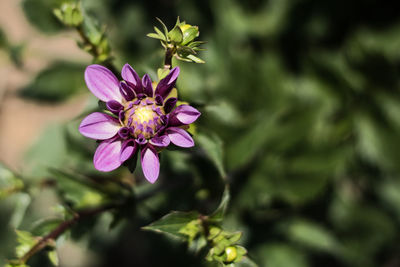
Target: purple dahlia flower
144 118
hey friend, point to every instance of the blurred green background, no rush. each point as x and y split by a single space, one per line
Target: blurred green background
301 97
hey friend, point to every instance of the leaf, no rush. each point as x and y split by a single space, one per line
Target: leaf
176 35
22 203
280 255
195 59
245 262
56 83
164 27
45 226
219 213
10 183
225 113
53 257
39 13
173 223
25 242
213 147
312 235
155 36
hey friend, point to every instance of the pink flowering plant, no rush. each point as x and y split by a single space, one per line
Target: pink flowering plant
144 118
138 117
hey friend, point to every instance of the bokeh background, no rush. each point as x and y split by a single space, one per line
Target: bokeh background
303 94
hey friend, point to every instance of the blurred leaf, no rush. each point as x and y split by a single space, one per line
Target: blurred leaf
22 203
3 39
25 242
218 214
312 235
39 14
45 226
280 255
56 83
53 257
9 182
213 148
245 262
173 223
225 113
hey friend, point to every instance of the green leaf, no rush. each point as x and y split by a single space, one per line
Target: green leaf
159 32
280 255
25 242
219 213
174 223
155 36
164 27
213 147
312 235
190 34
3 39
10 183
40 14
53 257
162 73
176 35
195 59
246 262
45 226
56 83
22 203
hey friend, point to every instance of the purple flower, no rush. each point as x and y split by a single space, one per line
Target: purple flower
144 118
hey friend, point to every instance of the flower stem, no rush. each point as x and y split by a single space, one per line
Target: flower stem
169 53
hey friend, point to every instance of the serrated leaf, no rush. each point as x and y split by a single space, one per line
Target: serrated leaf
213 147
25 242
219 213
173 223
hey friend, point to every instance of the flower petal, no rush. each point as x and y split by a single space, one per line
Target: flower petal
165 86
133 79
147 86
179 137
114 106
99 126
160 141
102 83
170 104
107 155
183 114
129 148
150 164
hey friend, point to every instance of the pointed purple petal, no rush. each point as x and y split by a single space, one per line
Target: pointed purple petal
114 106
179 137
170 104
150 164
102 83
147 86
160 141
107 155
129 148
183 114
165 86
133 79
99 126
127 92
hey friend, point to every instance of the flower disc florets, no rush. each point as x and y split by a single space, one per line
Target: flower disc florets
145 117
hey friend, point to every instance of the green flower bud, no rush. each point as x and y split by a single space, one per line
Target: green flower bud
230 254
189 33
